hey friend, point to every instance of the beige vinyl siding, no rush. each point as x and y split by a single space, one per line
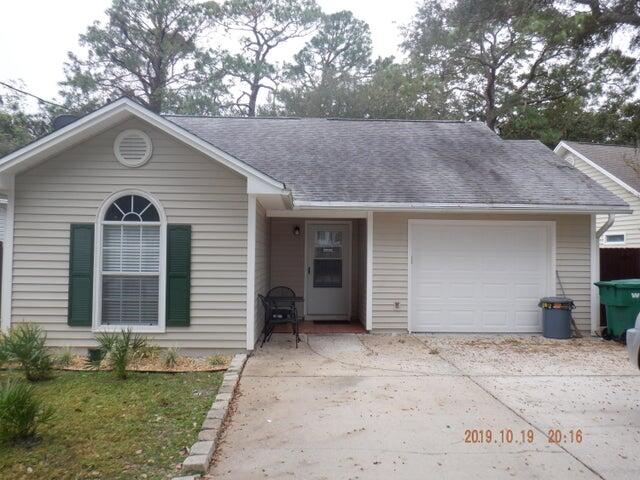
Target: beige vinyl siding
390 262
628 224
193 189
262 265
288 257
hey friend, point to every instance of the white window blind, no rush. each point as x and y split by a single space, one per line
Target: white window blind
131 248
131 265
129 300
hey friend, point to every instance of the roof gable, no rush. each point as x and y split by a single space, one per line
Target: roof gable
113 114
619 163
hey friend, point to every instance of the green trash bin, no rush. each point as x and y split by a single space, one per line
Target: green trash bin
621 299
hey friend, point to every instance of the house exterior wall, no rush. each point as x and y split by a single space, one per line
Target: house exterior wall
628 224
262 265
288 257
390 262
193 189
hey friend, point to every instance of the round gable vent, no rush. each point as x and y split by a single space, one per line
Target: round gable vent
133 148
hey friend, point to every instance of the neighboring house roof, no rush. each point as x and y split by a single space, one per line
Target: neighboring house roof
400 162
360 163
622 163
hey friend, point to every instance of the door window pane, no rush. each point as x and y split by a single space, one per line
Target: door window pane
327 238
327 273
328 244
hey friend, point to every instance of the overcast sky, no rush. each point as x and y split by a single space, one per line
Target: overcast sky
35 35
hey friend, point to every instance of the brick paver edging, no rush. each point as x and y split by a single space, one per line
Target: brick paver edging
201 452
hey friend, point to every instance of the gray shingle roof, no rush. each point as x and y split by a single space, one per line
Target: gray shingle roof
622 162
400 161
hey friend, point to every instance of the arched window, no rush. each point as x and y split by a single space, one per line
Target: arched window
130 263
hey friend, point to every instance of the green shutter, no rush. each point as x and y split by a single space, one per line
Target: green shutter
80 275
178 275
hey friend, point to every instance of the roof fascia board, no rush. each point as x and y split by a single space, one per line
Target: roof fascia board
456 207
563 146
126 105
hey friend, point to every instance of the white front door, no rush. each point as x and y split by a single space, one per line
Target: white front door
328 271
479 276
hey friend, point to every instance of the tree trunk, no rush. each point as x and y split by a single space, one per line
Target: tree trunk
155 101
253 99
491 115
491 119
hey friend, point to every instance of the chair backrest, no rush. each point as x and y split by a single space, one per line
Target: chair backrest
265 302
281 291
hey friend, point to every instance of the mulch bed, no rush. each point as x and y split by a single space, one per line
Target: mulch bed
152 364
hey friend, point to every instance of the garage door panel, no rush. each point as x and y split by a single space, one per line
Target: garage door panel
430 319
430 290
492 285
495 319
494 290
528 291
528 320
462 291
461 318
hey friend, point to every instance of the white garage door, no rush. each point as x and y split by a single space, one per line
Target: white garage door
479 276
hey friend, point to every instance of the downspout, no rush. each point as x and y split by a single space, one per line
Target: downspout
607 225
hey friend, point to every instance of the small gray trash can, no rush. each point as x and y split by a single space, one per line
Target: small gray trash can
556 316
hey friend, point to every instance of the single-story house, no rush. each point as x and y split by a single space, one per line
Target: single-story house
171 225
616 168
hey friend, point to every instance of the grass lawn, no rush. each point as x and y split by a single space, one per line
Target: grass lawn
113 429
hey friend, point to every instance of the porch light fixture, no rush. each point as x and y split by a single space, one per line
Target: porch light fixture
296 230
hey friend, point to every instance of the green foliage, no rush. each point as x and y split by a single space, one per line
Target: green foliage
495 55
3 351
328 69
120 348
64 357
17 127
147 50
20 411
263 25
571 119
25 345
170 357
604 18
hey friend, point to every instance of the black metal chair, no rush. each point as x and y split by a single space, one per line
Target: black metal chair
277 312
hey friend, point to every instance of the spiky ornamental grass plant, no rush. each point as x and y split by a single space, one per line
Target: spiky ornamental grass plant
20 411
65 357
120 348
25 345
170 357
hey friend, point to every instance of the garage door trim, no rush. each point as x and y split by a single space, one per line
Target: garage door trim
551 239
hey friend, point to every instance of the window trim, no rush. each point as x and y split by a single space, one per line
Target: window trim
606 234
97 267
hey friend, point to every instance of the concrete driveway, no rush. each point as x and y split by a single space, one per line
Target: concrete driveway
385 406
